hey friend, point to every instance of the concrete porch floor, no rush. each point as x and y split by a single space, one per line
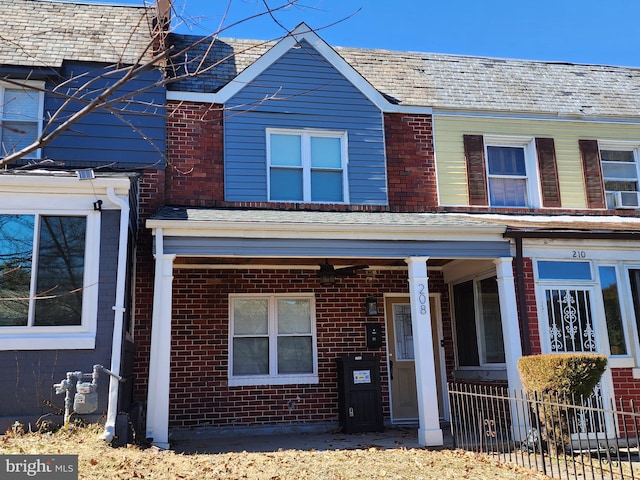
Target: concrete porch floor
211 441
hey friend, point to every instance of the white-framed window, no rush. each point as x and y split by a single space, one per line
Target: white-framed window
620 173
272 340
21 112
511 172
478 323
48 280
582 307
307 166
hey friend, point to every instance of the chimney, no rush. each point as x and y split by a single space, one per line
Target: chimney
163 13
161 23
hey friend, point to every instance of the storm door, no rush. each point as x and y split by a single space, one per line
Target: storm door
572 328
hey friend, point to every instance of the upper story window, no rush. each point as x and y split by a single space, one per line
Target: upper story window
272 340
46 299
20 118
620 175
307 166
511 172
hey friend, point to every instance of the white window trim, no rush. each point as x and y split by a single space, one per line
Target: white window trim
81 336
531 165
38 87
481 366
306 161
624 146
598 312
273 378
628 312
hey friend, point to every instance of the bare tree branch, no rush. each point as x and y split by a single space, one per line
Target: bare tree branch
87 91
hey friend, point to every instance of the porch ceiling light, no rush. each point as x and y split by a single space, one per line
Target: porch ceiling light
327 275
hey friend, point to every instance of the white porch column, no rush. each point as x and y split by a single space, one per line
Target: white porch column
429 431
510 331
160 355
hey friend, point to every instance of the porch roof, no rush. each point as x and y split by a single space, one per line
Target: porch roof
281 234
186 221
565 226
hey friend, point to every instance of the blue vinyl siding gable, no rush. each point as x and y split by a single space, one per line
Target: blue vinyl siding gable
303 91
130 135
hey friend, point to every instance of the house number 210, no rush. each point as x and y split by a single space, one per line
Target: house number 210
422 298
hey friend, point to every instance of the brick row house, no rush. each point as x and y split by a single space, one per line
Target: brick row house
438 215
471 209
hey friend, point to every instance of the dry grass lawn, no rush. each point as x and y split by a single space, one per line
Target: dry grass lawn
98 460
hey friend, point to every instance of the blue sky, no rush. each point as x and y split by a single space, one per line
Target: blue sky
577 31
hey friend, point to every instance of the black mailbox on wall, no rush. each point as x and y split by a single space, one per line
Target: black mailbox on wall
374 335
359 394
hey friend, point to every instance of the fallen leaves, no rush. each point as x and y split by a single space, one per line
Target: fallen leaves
98 460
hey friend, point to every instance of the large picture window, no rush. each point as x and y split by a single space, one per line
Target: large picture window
272 340
307 166
41 270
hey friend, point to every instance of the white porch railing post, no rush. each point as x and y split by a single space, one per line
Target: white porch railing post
429 431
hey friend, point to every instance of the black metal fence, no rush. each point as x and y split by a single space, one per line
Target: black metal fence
562 438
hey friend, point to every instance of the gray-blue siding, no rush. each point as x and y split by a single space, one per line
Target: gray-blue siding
302 90
30 375
131 135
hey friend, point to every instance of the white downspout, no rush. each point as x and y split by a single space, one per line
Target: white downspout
118 319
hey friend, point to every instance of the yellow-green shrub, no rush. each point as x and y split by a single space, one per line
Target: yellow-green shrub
559 380
565 374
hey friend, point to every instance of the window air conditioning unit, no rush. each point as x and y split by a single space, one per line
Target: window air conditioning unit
626 199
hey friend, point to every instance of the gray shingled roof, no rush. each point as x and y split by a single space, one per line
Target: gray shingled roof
302 217
457 82
43 33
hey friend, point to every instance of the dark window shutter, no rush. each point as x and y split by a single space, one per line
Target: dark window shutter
476 173
592 173
548 171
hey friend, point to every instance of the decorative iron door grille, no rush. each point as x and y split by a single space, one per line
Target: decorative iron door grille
571 326
572 330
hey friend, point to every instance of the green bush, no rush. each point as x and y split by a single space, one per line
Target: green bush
559 380
565 374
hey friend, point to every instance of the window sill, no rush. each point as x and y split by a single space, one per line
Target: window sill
252 380
49 341
481 373
621 362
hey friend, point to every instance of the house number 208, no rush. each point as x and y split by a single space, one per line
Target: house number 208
422 298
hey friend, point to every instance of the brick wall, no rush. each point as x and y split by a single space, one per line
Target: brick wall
195 167
411 166
152 186
199 391
532 308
